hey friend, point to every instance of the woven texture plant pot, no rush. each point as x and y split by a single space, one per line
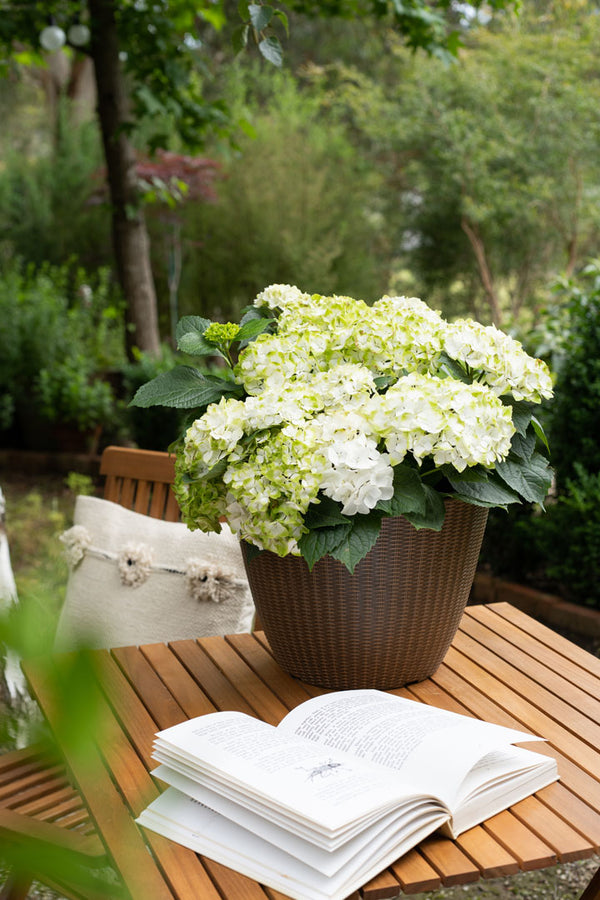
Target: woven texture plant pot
388 624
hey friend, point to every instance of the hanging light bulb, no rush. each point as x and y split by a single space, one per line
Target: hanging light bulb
52 38
78 35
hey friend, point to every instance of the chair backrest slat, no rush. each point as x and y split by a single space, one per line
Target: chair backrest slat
140 480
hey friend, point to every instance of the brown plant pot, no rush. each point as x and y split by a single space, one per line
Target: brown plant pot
388 624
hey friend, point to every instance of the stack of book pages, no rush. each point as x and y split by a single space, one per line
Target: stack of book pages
343 786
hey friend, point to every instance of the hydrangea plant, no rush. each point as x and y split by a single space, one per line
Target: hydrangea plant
335 414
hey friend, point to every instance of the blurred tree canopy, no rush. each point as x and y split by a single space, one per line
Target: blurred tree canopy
152 61
492 164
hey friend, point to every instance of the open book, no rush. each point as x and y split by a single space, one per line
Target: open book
344 785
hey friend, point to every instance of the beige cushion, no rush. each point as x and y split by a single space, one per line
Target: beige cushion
137 580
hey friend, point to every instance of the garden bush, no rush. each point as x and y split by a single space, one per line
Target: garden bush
60 329
296 205
574 417
559 550
51 205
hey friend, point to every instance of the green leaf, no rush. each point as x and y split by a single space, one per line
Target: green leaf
384 381
271 50
324 514
316 544
537 427
530 478
256 312
260 15
453 368
239 38
483 492
189 335
362 536
434 514
409 493
243 10
251 329
184 388
523 446
522 412
251 551
282 16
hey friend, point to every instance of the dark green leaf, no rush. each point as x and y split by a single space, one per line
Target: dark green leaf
523 446
239 38
324 514
260 15
483 492
521 413
409 493
252 312
184 388
530 478
434 514
189 335
361 537
271 50
243 11
251 329
453 368
537 427
384 381
318 543
251 551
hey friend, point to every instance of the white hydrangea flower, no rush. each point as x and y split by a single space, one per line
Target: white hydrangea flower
359 476
314 419
505 365
280 296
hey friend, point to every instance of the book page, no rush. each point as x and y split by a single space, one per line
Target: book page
192 824
327 861
326 788
432 749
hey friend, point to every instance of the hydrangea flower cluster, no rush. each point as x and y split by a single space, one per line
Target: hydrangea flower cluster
335 398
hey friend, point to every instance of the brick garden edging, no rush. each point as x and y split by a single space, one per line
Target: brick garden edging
551 609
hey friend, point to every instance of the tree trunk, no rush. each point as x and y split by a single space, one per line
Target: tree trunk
130 236
484 270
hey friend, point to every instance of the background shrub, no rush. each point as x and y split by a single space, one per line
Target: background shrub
296 205
59 330
560 550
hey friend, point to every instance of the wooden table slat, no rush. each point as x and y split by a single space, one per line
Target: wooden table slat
381 887
290 691
415 874
219 690
544 654
189 696
491 858
127 848
158 700
447 858
567 843
584 706
526 847
185 872
515 698
262 700
547 636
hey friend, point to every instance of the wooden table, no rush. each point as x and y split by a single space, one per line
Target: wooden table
503 666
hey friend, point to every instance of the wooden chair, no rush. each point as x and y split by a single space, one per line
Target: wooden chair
36 796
